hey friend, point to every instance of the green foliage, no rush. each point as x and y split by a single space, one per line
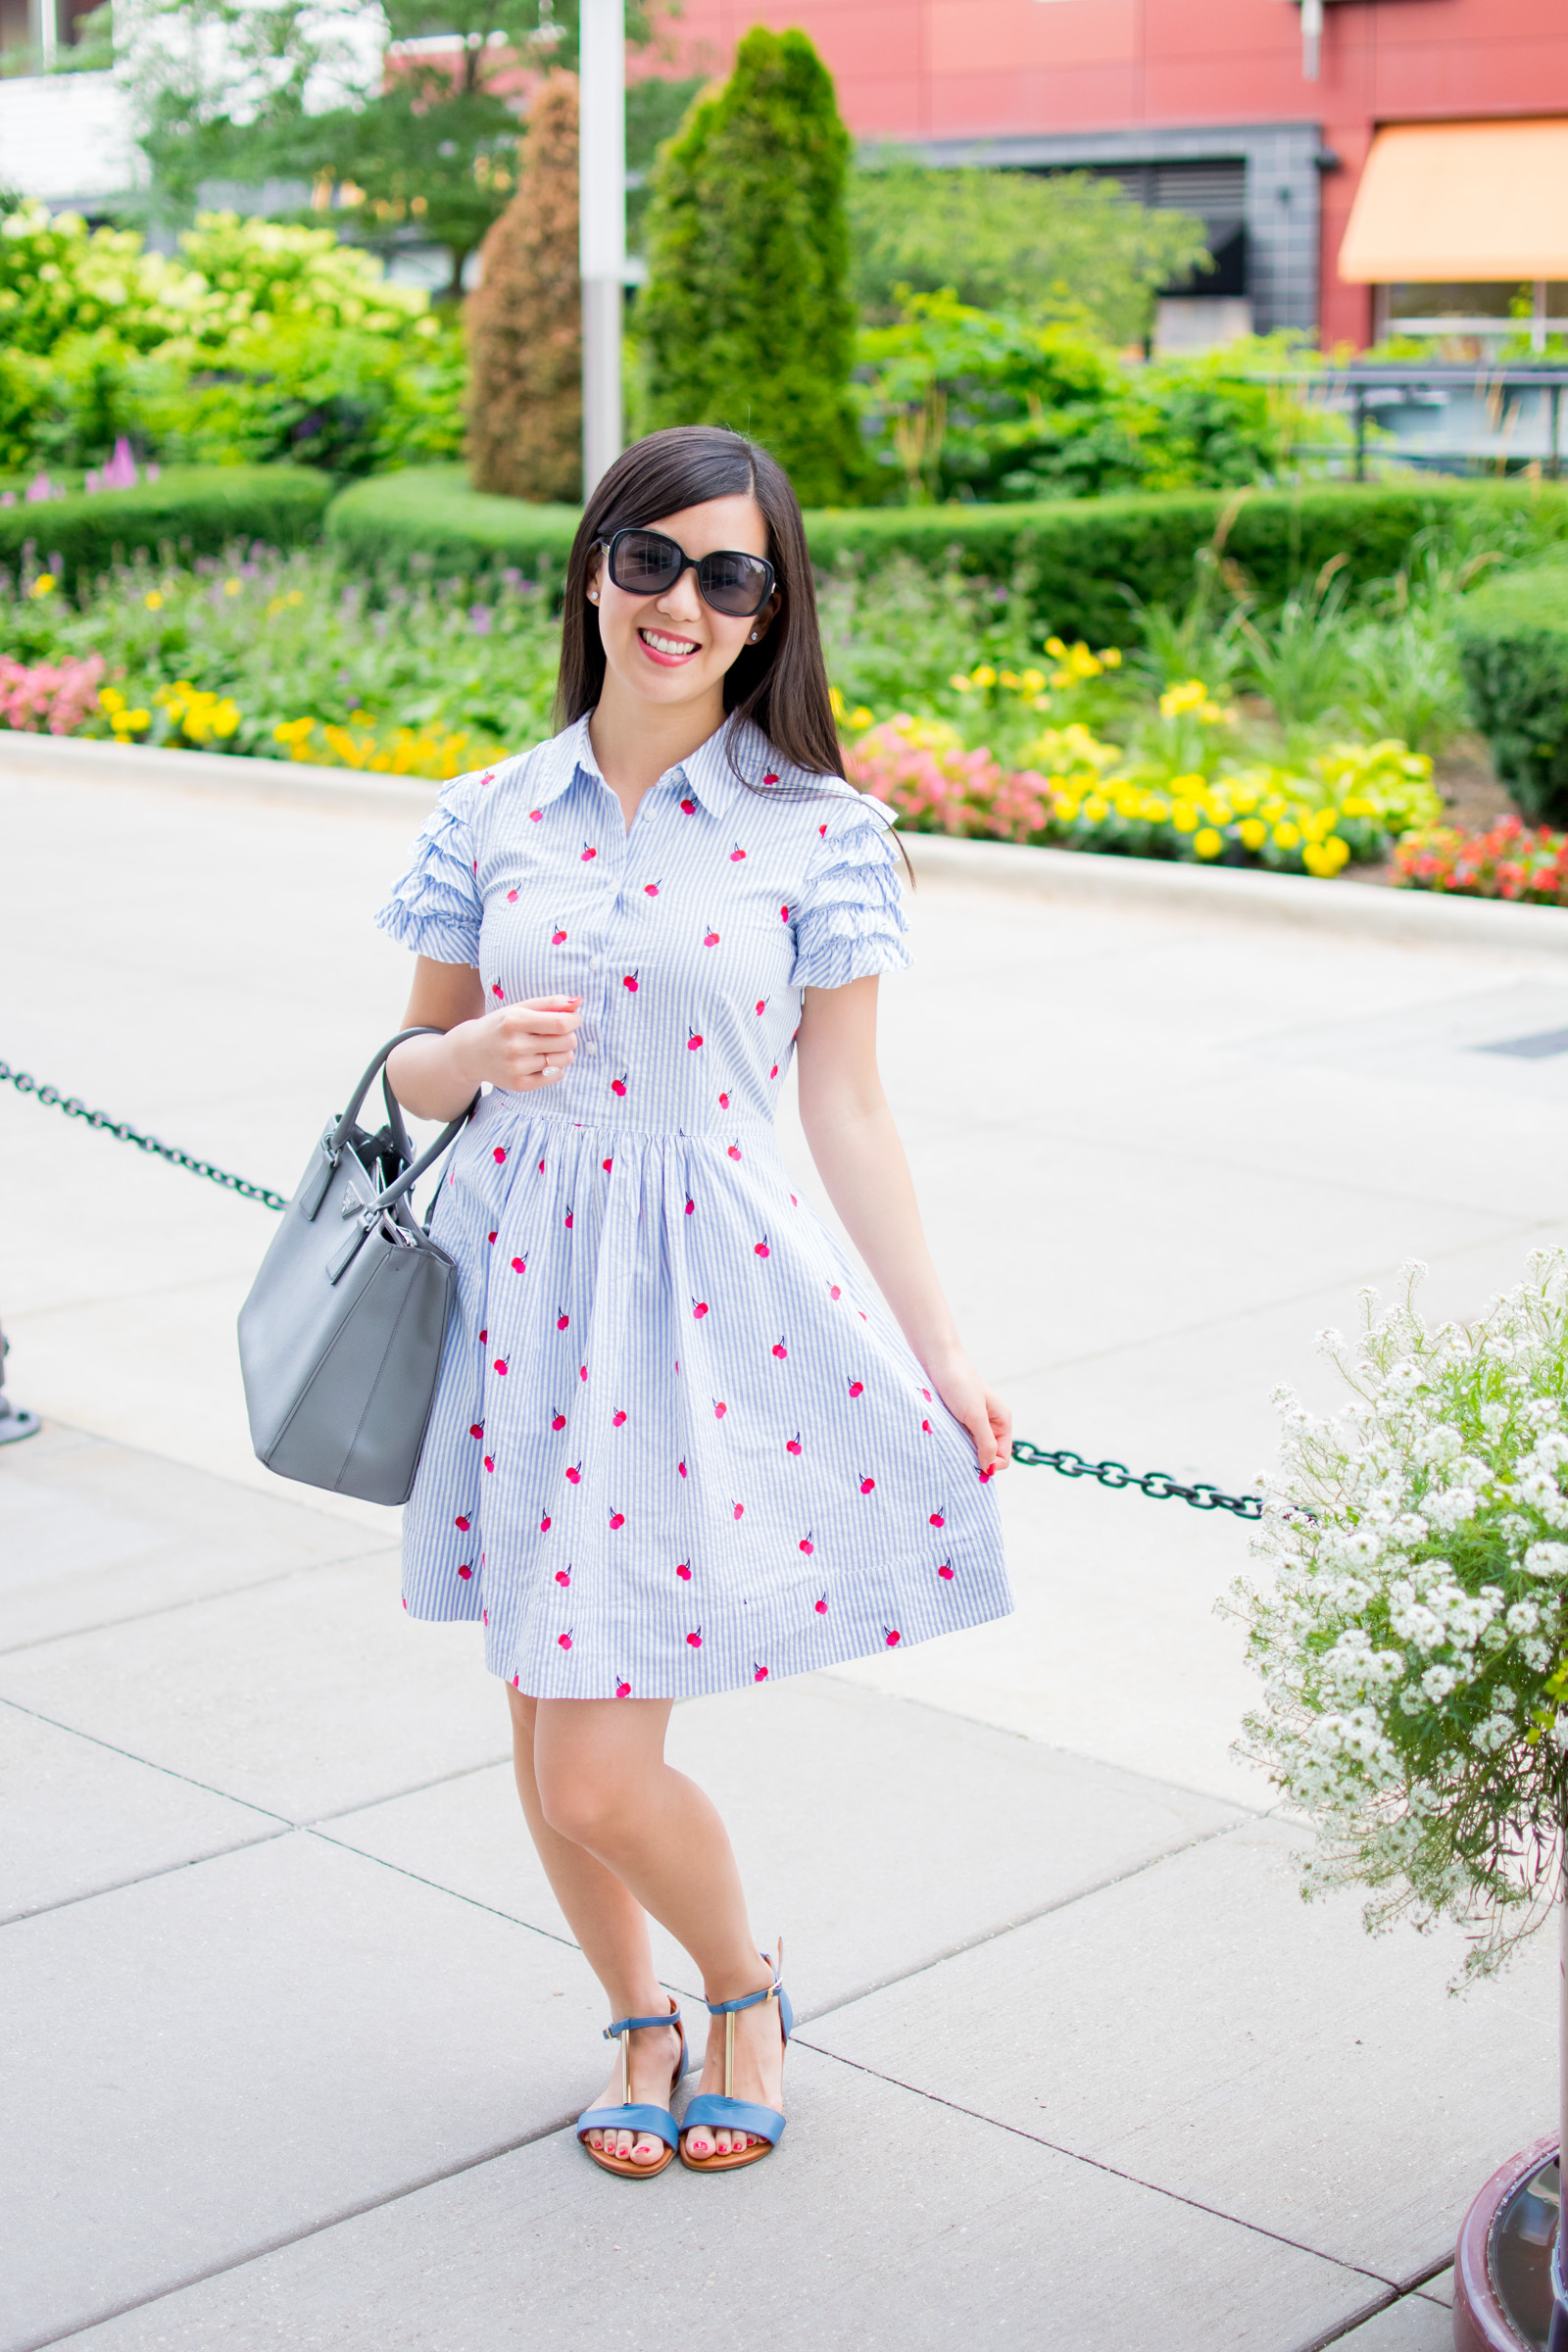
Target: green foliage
988 405
290 636
429 520
1065 245
232 89
1080 565
258 341
1513 647
58 278
192 510
746 319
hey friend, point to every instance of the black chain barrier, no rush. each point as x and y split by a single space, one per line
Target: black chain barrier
1155 1484
124 1132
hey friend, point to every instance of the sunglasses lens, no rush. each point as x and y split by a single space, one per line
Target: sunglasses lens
643 563
733 583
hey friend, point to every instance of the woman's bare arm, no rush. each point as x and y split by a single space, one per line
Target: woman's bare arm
522 1048
860 1160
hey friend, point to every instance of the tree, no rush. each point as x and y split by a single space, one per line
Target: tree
524 321
746 319
1060 245
251 90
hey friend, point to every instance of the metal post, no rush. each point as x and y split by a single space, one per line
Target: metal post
601 229
1311 37
1361 434
1537 315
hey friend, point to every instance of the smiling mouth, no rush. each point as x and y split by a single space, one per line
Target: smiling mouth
674 649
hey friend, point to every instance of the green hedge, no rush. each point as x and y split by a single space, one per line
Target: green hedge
1513 649
428 517
197 509
1079 554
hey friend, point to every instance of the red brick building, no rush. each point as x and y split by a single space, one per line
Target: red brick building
1207 105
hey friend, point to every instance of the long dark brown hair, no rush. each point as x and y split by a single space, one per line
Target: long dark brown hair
779 683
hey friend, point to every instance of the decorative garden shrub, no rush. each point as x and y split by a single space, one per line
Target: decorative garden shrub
524 321
1513 647
747 320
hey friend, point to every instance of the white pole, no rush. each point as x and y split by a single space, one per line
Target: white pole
601 229
1311 37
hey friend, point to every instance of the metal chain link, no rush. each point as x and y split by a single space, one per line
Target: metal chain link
1157 1483
124 1132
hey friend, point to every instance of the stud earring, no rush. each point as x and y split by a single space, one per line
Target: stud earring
751 639
593 596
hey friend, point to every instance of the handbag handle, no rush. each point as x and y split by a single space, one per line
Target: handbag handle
427 1158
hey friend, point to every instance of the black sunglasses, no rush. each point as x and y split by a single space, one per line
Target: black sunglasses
647 563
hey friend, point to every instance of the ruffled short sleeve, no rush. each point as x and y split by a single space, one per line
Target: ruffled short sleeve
852 922
436 908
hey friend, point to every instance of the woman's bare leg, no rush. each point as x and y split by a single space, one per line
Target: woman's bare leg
621 1833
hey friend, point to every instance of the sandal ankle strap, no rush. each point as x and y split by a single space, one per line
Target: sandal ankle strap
749 1999
630 2025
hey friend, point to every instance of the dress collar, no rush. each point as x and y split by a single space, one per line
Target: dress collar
706 774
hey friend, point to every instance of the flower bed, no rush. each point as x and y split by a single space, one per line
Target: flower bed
1513 861
1075 789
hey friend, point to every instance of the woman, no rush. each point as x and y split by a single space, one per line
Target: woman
676 1445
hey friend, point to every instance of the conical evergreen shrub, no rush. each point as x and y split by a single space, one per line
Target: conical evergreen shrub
746 319
524 321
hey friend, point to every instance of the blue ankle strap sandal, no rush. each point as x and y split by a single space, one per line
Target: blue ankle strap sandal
657 2121
721 2112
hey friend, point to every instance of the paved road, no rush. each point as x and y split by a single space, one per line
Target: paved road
295 2026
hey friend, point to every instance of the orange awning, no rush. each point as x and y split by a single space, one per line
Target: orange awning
1441 203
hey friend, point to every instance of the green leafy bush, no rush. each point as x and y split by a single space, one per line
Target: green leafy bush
1070 564
194 509
988 405
260 342
1513 650
746 319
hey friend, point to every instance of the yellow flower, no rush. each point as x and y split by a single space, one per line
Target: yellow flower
275 607
1096 809
231 587
1253 832
833 694
43 585
1054 646
1111 656
1184 817
1208 843
985 675
295 595
1187 697
858 719
153 601
959 681
109 698
1325 857
1286 836
1010 677
1034 680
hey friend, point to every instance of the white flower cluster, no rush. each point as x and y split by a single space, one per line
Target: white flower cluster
1411 1640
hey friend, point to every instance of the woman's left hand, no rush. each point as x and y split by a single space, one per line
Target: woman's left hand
984 1415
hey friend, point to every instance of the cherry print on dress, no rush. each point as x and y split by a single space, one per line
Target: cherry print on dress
564 1639
557 1419
711 937
779 1348
617 1086
737 856
588 852
498 992
939 1517
563 1576
867 1483
628 981
759 1674
617 1519
558 937
574 1474
623 1688
820 1604
719 1409
561 1320
734 1152
466 1570
699 1310
694 1041
944 1570
806 1544
476 1428
463 1525
695 1640
891 1636
683 1571
793 1445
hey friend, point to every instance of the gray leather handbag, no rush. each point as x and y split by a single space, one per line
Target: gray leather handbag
340 1339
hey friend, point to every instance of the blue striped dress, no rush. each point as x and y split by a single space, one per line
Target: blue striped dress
677 1443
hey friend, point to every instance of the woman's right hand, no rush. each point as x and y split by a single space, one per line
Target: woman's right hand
522 1047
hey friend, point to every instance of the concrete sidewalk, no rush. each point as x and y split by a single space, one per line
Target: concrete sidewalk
296 2031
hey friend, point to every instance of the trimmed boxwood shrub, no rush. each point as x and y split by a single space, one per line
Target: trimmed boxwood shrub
1513 650
1078 554
196 510
429 520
